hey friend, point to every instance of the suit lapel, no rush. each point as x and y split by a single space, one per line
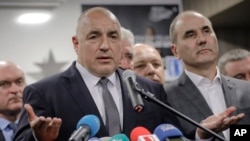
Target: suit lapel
192 93
229 91
81 95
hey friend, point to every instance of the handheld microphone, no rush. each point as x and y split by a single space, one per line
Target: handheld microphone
105 138
129 78
87 127
119 137
142 134
94 139
168 132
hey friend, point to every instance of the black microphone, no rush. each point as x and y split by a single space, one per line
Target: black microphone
87 127
129 78
150 97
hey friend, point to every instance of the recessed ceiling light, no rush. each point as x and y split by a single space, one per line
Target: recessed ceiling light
33 18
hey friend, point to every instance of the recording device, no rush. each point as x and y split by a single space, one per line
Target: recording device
142 134
86 127
136 93
105 138
168 132
94 139
119 137
136 99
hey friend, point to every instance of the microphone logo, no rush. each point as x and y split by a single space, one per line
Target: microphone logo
147 138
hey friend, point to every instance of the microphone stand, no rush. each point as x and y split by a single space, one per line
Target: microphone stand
149 96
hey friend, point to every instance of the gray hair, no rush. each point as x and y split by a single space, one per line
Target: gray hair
230 56
126 34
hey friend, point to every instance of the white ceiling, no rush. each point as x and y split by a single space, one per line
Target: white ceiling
30 3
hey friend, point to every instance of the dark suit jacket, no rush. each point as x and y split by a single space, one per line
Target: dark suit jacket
66 96
1 136
185 97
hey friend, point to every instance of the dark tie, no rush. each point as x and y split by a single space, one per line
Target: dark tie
112 114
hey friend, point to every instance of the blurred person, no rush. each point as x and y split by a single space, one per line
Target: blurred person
150 35
201 91
148 62
12 83
127 44
54 105
235 63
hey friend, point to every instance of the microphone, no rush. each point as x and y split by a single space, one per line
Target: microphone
87 127
105 138
150 97
129 78
142 134
119 137
94 139
168 132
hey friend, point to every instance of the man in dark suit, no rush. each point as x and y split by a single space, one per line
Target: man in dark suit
201 90
53 106
12 83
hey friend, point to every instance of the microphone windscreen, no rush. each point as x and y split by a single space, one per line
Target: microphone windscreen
138 131
164 131
119 137
92 122
128 73
105 138
94 139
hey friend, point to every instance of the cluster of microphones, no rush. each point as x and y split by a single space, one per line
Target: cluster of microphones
89 125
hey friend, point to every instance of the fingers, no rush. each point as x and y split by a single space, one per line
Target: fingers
227 112
35 122
54 125
45 129
220 122
233 119
31 114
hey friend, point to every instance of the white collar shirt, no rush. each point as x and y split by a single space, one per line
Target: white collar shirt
95 90
212 92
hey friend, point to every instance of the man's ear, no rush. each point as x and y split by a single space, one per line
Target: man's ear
75 43
175 51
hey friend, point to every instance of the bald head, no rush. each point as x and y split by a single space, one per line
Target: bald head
10 70
97 12
12 83
9 64
179 21
97 42
148 62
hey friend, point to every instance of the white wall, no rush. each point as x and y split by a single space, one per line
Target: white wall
30 44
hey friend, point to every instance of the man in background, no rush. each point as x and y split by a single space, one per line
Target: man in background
148 62
12 83
201 91
127 42
235 63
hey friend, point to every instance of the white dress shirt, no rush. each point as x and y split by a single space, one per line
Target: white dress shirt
95 90
6 131
212 92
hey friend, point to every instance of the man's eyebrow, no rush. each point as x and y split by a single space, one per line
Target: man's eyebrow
205 27
189 31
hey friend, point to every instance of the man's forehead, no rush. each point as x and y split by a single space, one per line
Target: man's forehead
183 26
